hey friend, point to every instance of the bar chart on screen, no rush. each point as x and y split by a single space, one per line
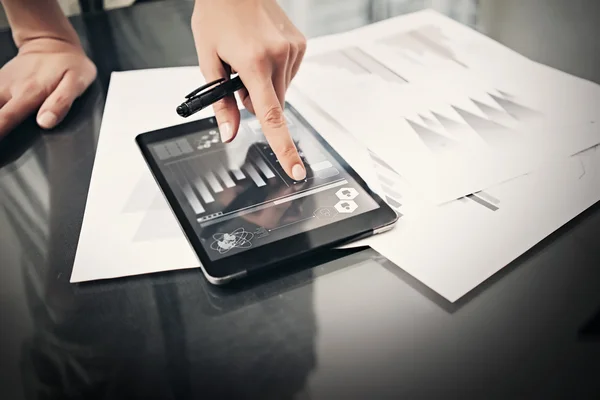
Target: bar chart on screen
217 181
208 182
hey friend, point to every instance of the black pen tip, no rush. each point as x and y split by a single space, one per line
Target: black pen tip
183 110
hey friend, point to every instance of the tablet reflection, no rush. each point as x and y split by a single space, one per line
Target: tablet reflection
160 336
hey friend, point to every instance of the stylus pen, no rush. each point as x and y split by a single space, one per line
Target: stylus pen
213 92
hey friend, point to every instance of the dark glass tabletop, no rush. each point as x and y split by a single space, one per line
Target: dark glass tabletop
348 324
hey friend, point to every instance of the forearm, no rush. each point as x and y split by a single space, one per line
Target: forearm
31 19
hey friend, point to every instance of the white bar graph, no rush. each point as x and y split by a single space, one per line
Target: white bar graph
239 175
253 173
193 200
213 182
225 177
264 168
203 190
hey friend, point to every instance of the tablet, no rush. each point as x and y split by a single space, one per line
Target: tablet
241 212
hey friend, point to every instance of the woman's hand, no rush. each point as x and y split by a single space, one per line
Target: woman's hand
47 75
256 40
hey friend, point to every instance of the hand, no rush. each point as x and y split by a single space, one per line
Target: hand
47 74
256 40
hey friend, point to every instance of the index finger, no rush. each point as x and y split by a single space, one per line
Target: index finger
16 110
270 114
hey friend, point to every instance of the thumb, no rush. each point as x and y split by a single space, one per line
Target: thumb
226 109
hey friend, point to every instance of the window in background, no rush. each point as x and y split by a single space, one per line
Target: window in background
322 17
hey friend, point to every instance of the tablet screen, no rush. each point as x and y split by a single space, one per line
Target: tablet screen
237 196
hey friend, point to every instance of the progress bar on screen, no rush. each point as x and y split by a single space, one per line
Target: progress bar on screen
234 214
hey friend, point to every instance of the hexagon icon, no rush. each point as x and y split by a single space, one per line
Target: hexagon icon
325 212
346 206
346 193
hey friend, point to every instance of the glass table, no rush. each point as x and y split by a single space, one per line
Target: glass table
346 325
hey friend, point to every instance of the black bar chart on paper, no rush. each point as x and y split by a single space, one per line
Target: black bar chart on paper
358 62
423 45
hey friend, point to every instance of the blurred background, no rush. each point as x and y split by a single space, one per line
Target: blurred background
317 16
560 33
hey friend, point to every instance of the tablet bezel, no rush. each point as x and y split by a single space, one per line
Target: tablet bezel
278 252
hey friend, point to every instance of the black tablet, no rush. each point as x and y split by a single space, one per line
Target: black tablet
238 208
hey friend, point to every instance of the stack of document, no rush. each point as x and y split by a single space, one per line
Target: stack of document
482 151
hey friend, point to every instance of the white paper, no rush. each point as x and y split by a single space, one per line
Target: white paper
128 227
453 111
454 247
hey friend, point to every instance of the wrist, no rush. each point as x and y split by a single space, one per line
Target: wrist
23 37
59 29
35 19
